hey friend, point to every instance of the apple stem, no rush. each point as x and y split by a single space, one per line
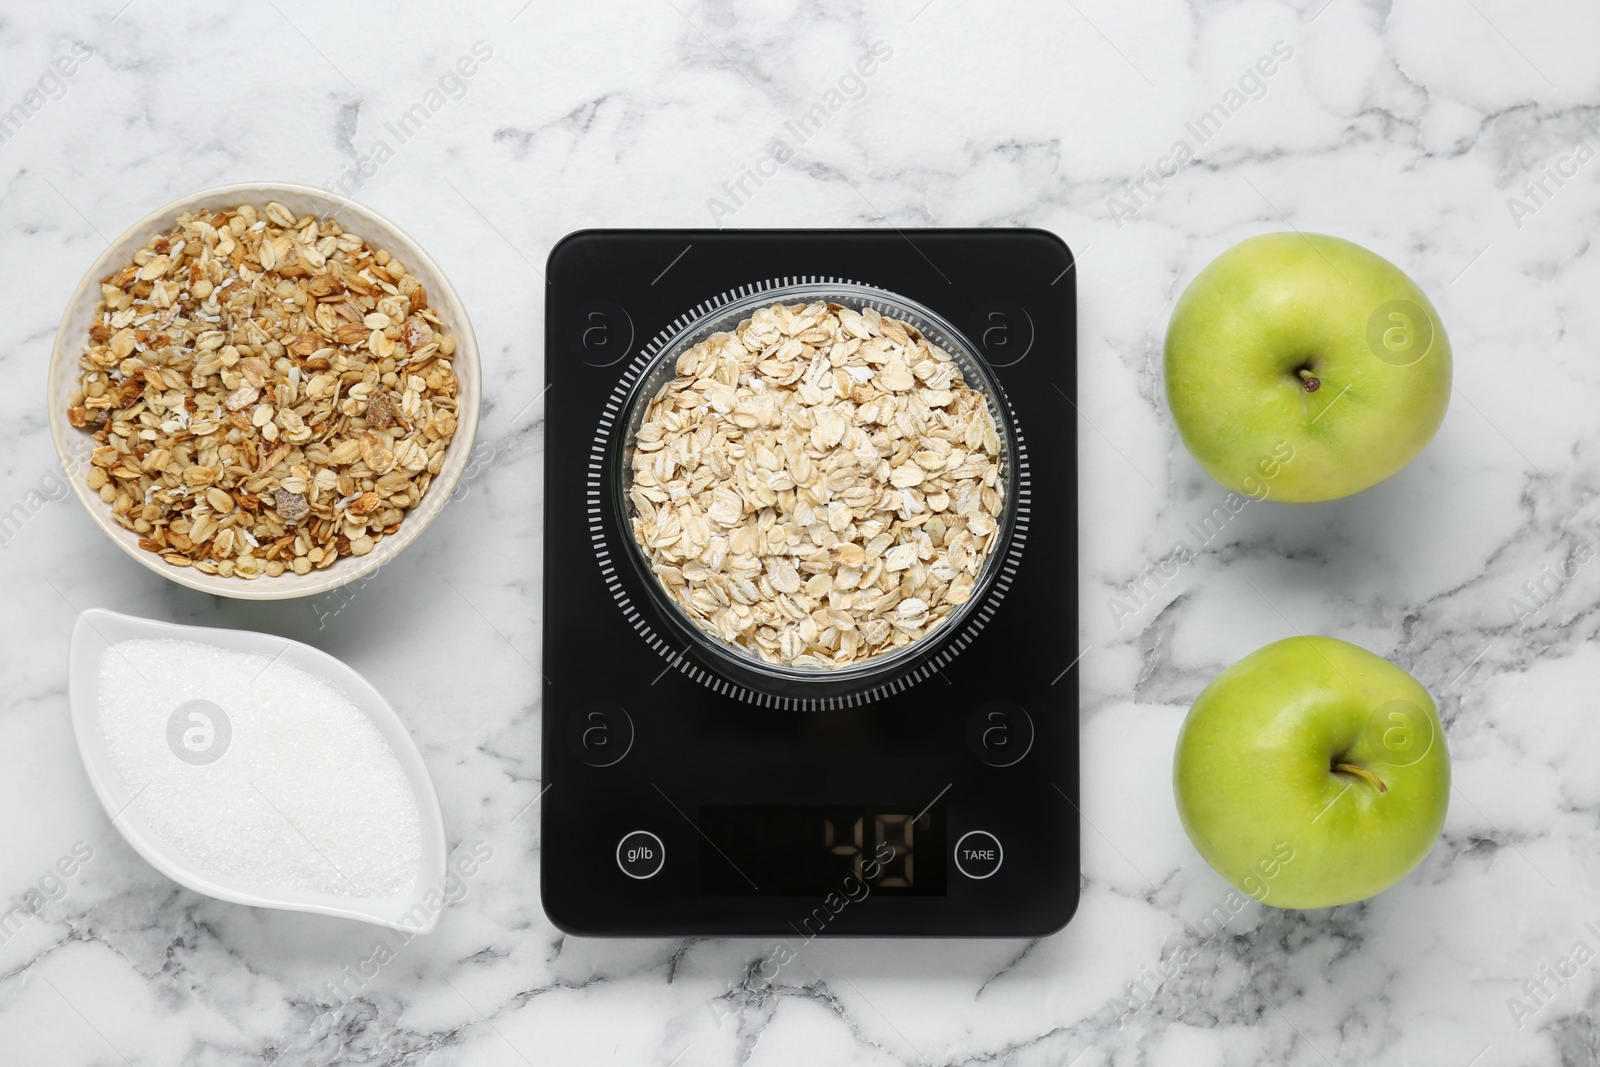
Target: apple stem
1363 774
1312 382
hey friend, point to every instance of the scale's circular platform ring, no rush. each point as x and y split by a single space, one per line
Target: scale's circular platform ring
597 503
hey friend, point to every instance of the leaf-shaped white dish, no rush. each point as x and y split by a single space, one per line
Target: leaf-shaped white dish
97 630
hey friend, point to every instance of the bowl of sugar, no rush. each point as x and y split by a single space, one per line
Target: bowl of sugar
256 770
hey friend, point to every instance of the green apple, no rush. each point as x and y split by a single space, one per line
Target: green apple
1304 367
1312 773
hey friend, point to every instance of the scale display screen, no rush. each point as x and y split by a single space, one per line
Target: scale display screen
816 849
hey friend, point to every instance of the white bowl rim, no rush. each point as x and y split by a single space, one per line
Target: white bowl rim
111 790
465 363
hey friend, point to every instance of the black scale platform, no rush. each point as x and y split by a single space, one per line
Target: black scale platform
681 801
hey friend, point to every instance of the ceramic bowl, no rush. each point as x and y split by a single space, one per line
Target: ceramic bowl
97 630
73 445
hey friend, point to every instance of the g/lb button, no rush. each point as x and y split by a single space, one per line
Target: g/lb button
641 854
978 854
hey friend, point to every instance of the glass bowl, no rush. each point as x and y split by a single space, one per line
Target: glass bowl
726 317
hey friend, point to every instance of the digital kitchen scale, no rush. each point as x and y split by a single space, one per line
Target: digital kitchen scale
686 797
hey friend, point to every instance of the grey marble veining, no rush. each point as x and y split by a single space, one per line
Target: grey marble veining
1456 137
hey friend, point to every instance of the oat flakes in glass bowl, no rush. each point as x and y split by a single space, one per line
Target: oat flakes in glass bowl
820 482
220 418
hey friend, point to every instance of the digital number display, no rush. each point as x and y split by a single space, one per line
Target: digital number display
816 849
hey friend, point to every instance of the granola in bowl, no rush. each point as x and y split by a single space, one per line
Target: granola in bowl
265 393
818 487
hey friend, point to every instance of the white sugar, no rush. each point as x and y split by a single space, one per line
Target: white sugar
306 793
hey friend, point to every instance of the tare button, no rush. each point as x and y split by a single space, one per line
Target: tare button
978 854
641 854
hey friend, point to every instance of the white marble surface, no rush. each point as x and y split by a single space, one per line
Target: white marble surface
1404 126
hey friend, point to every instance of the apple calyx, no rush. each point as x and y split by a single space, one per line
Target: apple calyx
1362 773
1310 382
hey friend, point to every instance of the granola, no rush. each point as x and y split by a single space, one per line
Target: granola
819 487
266 393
